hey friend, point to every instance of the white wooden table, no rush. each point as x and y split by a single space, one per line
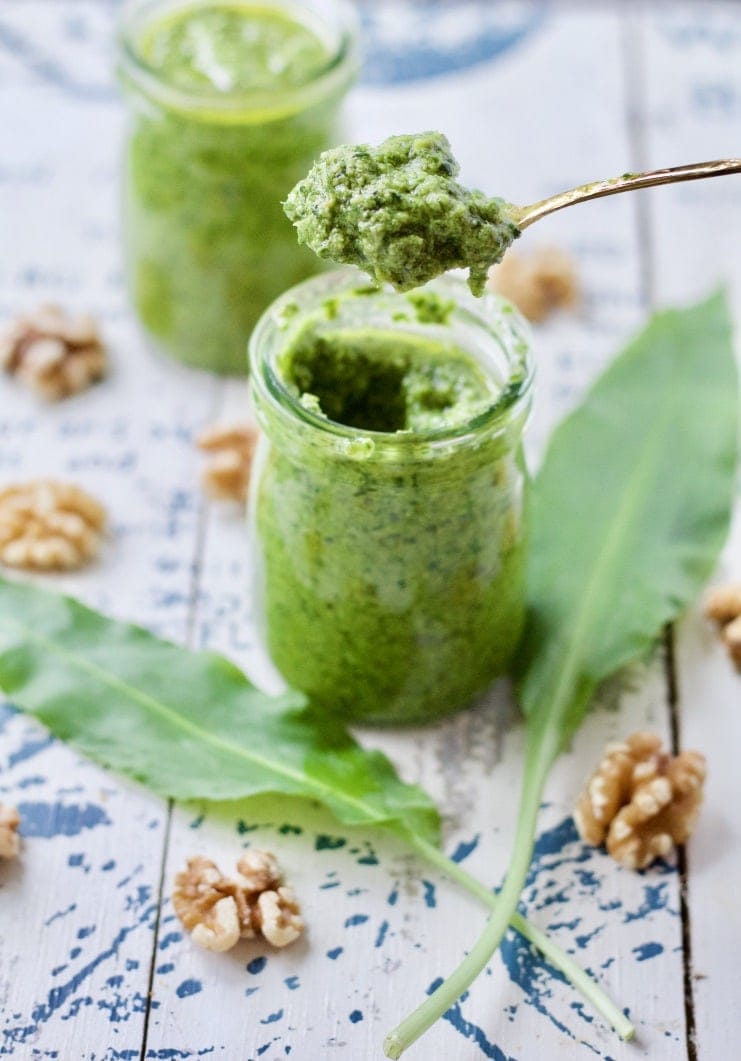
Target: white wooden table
93 964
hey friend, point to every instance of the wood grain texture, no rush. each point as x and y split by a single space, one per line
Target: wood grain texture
692 81
82 932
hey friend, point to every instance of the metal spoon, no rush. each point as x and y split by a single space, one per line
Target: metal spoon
693 171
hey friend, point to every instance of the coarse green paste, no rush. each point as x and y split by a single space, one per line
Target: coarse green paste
398 212
230 103
389 510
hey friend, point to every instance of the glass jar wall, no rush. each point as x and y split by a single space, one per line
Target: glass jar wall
388 504
228 105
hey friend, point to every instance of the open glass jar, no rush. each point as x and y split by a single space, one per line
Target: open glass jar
389 559
229 102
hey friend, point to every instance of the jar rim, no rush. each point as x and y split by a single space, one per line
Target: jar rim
515 392
242 107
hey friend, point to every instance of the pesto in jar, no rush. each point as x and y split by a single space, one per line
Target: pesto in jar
229 104
388 499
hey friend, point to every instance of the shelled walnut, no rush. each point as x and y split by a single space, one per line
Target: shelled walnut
55 354
217 911
226 475
539 284
47 525
723 606
641 801
10 843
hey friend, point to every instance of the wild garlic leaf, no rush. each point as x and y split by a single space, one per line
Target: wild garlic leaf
191 726
187 724
630 509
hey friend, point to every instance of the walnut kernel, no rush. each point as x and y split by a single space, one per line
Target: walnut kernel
205 911
219 910
539 284
10 843
278 917
258 870
723 605
55 354
47 525
641 801
226 475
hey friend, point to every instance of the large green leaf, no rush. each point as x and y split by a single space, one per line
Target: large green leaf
190 725
630 509
187 724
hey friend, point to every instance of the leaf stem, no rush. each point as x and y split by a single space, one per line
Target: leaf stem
558 958
542 750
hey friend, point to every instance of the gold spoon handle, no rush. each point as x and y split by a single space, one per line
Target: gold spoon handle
525 215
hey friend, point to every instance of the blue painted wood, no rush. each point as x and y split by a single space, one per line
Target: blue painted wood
84 937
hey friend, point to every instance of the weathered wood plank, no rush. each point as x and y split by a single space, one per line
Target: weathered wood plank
79 907
693 102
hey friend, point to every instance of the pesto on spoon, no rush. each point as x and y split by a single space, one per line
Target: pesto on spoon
398 212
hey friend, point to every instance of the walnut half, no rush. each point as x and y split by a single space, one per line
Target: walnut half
47 525
230 449
55 354
539 284
10 842
217 911
641 801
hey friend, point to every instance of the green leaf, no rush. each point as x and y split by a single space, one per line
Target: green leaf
187 724
191 726
630 510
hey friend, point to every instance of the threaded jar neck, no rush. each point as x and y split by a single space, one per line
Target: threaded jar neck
488 329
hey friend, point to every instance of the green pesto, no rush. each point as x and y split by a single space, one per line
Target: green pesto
398 212
208 245
429 308
393 588
384 380
232 47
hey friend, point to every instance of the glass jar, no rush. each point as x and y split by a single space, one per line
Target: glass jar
221 125
389 565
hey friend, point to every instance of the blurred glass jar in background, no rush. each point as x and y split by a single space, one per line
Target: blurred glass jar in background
228 105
